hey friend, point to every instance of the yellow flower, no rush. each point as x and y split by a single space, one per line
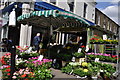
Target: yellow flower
84 64
85 70
68 47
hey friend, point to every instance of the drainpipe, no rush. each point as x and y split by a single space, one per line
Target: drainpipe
118 52
88 38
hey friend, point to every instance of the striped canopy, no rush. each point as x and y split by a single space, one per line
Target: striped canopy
53 13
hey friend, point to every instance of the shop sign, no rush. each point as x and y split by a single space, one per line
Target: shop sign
104 37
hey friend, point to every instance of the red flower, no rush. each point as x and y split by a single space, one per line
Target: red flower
113 56
23 75
26 79
8 74
116 58
18 46
8 67
95 35
8 70
96 39
83 46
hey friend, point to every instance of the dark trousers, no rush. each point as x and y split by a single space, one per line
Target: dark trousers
37 48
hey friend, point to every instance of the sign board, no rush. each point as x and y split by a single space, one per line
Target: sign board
73 59
87 48
79 50
40 57
104 37
96 59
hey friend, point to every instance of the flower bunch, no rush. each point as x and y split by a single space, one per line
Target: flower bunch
35 63
111 41
24 74
102 57
115 57
99 54
98 39
6 71
5 60
95 38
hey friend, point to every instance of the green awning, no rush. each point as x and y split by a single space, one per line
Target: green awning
54 13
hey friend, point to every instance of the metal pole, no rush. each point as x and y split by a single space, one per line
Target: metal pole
13 54
118 51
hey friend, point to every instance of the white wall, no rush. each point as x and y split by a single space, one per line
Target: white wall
62 4
90 12
79 7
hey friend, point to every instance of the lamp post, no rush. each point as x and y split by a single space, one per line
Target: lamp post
12 23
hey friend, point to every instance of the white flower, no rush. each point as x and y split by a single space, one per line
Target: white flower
101 70
14 77
39 71
74 63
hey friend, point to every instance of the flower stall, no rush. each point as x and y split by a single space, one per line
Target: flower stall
88 69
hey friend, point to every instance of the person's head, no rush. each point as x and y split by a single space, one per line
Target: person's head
4 40
38 34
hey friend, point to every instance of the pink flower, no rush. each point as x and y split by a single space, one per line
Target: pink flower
26 72
21 71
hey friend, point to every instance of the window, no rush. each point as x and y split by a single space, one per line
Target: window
71 5
85 8
108 25
98 20
104 23
93 14
53 1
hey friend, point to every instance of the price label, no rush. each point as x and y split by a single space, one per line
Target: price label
40 57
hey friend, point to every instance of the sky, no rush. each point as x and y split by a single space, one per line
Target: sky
110 8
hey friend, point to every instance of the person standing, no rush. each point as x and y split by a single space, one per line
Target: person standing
3 45
36 42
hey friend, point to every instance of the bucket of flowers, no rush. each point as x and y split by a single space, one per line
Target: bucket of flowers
5 60
23 74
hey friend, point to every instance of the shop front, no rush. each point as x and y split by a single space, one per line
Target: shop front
61 26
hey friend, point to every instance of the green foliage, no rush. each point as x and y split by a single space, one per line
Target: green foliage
92 69
101 58
67 69
27 55
80 72
78 55
42 74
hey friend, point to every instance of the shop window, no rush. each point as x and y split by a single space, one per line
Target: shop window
98 20
108 25
71 5
53 1
104 24
85 10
